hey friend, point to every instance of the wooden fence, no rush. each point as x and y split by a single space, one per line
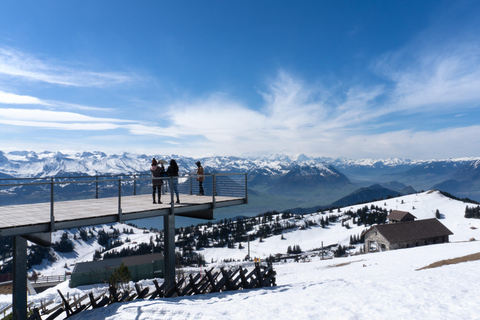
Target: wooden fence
193 284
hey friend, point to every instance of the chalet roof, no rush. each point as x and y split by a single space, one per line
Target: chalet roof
399 215
412 230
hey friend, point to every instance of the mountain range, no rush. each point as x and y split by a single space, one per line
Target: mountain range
275 182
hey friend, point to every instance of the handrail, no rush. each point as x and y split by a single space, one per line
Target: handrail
149 177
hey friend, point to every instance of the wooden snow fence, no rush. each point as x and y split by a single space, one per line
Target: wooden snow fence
212 281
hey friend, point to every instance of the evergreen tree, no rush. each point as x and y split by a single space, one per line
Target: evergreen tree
65 245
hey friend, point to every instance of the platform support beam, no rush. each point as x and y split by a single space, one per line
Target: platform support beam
19 278
169 233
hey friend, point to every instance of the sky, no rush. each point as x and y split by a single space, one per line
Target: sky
355 79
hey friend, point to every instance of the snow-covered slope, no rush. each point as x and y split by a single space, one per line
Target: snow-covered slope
375 286
383 285
421 205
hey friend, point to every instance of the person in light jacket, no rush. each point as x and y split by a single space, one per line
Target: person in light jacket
200 178
157 183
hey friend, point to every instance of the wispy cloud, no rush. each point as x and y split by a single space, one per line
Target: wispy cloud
11 98
17 64
437 77
60 120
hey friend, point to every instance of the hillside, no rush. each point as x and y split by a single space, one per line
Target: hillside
269 234
373 286
329 287
422 205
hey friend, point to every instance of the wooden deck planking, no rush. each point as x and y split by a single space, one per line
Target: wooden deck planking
38 213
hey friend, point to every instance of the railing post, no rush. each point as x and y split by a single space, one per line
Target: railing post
96 187
214 190
119 200
246 189
134 184
190 182
52 216
172 202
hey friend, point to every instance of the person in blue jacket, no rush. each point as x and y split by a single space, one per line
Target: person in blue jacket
172 171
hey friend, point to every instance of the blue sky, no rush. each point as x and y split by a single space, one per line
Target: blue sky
355 79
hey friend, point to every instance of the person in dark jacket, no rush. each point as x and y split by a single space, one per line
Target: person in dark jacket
200 178
172 171
157 183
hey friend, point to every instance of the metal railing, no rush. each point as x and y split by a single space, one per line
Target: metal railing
227 183
49 279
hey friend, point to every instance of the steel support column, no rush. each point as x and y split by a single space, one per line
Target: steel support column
19 278
169 233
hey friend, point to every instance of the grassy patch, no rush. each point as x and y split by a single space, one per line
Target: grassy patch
342 264
441 263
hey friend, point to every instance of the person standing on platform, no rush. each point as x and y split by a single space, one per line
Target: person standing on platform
156 183
200 178
172 171
163 174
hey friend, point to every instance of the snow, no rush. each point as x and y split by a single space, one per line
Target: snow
425 204
373 286
362 286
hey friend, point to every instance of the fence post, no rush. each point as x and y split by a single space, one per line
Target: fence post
52 216
119 200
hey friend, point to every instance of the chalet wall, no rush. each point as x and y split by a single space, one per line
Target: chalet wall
382 244
373 236
420 242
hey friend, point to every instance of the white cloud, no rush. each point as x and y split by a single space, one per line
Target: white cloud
443 78
59 120
20 65
445 143
11 98
51 116
62 126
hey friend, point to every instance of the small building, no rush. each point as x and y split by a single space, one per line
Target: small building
405 235
400 216
146 266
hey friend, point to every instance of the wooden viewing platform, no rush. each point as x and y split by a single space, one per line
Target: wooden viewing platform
34 218
41 217
73 204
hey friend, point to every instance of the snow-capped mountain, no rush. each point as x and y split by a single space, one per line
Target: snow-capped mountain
29 163
276 175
